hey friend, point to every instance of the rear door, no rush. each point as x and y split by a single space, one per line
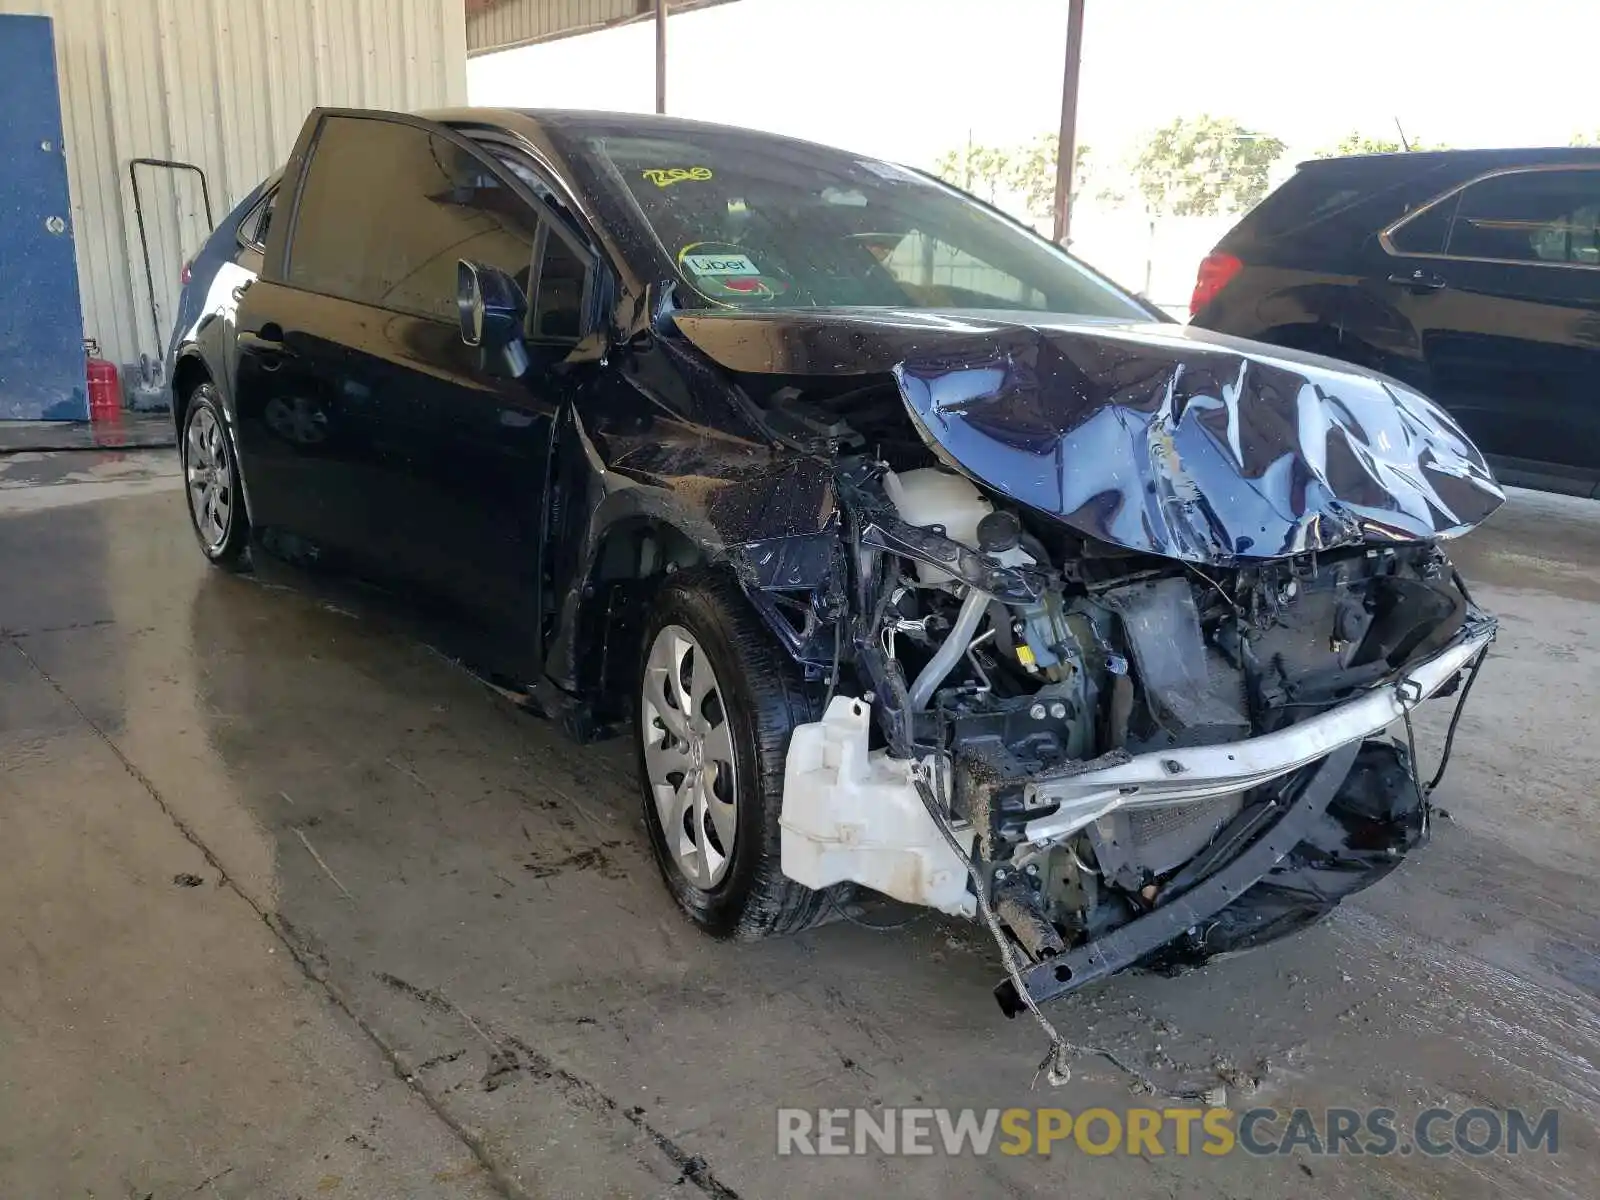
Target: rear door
294 391
1501 283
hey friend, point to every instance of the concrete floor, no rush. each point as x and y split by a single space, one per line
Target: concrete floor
292 906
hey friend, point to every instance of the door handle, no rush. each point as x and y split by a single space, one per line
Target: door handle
1418 281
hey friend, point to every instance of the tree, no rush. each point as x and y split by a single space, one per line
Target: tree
1586 139
982 170
1360 143
1024 174
1204 165
1033 173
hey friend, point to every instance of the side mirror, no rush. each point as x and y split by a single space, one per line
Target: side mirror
492 309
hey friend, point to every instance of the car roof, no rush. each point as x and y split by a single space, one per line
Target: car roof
572 123
1475 160
1356 194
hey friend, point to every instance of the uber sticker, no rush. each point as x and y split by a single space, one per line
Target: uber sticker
721 264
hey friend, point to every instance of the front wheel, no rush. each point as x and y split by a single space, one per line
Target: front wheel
716 704
211 481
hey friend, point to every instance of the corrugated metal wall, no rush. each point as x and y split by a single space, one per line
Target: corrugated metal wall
518 22
501 24
224 84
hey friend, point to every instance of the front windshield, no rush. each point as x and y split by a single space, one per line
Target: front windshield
758 222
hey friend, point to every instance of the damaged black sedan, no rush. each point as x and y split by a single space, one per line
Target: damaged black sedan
915 556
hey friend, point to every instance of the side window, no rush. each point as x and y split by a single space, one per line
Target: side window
257 223
522 171
1530 216
264 221
387 210
555 314
1427 232
557 311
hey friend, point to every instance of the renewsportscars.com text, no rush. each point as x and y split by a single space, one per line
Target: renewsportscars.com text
1159 1132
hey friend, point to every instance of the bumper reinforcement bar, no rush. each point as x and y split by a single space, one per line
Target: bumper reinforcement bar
1182 776
1120 948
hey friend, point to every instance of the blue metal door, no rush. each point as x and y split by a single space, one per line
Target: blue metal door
41 318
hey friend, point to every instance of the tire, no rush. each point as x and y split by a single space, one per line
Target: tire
212 490
759 698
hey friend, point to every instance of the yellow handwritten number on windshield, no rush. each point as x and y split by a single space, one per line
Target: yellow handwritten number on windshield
667 176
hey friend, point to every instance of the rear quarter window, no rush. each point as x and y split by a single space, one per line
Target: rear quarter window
1427 231
257 223
1342 202
1302 200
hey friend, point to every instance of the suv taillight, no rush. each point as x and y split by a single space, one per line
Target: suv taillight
183 276
1216 271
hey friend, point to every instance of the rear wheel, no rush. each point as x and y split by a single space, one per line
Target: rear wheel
211 481
716 704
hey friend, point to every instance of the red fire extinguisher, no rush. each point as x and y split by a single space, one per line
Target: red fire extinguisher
105 385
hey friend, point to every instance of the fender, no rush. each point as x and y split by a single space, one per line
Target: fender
772 520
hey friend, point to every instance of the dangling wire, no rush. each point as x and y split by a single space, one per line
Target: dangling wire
1056 1066
1407 703
1411 758
1455 718
833 671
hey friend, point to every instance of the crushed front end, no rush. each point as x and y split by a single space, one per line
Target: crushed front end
1123 630
1121 757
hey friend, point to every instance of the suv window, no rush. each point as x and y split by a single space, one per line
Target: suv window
1427 232
388 209
1530 216
1304 198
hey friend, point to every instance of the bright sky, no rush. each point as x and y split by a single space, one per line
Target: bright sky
907 79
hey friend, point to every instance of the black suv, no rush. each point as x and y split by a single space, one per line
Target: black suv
1472 275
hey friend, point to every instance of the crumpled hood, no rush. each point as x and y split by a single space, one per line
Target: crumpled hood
1158 438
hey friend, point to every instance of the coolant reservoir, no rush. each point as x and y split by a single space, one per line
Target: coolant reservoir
930 496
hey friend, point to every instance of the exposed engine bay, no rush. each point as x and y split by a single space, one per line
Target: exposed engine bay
1068 737
1122 626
